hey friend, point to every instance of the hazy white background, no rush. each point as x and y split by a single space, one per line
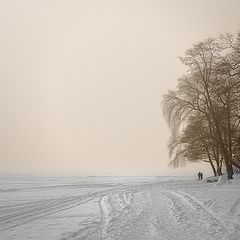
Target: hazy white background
81 81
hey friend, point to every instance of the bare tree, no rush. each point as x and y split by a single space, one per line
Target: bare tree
210 90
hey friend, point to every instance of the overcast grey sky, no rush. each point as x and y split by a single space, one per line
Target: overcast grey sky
81 81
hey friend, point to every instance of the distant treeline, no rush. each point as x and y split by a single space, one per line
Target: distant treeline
203 112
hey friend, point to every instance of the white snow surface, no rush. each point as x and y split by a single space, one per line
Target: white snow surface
116 208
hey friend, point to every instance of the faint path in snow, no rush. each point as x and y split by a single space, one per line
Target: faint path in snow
210 202
193 219
13 216
235 208
146 211
154 212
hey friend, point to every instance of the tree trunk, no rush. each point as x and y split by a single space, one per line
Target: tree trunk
227 158
216 157
211 163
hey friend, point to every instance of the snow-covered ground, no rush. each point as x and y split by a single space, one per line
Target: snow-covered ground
115 208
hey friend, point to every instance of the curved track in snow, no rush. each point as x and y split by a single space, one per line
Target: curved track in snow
13 216
153 212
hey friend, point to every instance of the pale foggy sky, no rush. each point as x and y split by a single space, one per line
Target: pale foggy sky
81 81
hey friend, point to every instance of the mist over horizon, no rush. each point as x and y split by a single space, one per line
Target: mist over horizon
81 82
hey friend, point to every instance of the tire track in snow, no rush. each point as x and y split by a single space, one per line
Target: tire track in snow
41 214
154 212
22 213
197 219
235 208
227 222
25 213
122 218
133 214
194 203
210 202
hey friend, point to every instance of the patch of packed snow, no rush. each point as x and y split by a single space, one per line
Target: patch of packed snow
223 179
118 208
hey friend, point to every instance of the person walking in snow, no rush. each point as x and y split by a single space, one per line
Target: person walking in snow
199 175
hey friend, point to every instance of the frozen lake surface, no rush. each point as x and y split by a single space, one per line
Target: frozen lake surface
115 208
